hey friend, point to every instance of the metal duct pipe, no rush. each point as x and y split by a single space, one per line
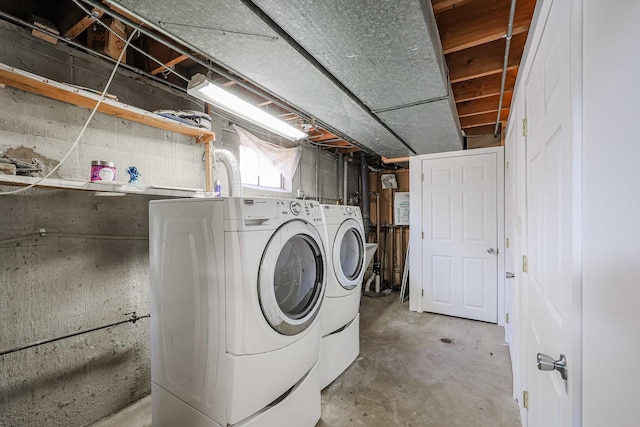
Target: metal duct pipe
340 177
233 171
366 203
345 179
512 13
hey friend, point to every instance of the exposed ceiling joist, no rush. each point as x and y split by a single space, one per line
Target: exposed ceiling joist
483 105
82 24
483 119
178 59
480 130
483 86
485 59
469 25
440 6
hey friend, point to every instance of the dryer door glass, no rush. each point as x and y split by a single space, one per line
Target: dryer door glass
298 276
351 252
348 254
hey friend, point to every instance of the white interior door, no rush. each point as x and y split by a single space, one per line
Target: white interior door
460 241
549 217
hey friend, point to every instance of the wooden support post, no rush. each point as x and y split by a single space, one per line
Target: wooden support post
209 167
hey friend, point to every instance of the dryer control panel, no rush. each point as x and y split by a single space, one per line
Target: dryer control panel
338 213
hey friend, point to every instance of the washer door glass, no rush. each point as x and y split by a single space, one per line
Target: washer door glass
297 276
348 254
292 277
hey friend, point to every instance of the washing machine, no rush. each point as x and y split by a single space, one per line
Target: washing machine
237 285
345 239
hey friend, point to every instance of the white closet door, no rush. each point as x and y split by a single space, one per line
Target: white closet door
460 244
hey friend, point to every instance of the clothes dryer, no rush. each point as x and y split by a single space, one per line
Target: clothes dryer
236 290
340 319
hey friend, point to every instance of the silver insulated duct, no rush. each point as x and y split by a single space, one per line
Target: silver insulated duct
371 70
233 170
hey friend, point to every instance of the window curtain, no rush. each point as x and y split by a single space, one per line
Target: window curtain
285 159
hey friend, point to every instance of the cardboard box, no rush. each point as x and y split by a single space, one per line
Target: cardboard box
104 41
45 25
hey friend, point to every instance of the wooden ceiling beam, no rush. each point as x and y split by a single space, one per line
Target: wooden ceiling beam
73 29
336 142
326 136
484 86
481 130
483 105
483 119
485 59
476 23
440 6
172 62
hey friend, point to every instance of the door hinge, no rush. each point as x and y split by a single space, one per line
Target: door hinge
423 235
525 399
507 165
524 127
506 318
422 177
422 292
525 264
506 243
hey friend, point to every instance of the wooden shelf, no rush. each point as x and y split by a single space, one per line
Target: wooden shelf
103 187
84 98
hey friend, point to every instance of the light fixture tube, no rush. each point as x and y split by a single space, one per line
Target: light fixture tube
202 88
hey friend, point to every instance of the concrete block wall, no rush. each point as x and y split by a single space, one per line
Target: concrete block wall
50 286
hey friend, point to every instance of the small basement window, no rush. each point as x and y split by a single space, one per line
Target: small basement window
258 171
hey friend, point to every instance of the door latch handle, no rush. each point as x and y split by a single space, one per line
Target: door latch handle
546 363
492 251
510 275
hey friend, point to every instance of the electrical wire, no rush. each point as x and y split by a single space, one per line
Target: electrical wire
84 128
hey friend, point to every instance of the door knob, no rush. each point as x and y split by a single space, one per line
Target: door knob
492 251
546 363
510 275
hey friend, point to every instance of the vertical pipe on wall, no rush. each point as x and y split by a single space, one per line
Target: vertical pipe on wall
366 205
318 198
341 173
345 180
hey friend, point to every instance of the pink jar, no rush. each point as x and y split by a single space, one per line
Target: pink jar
103 171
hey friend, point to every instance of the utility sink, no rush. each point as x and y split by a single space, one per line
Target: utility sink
370 249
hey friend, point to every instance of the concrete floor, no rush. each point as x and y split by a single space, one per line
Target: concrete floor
413 370
422 369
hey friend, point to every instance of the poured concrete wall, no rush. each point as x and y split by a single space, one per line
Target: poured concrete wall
53 285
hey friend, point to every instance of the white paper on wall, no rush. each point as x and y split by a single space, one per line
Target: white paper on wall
401 208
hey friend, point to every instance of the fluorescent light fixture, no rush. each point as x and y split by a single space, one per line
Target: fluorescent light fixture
202 88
